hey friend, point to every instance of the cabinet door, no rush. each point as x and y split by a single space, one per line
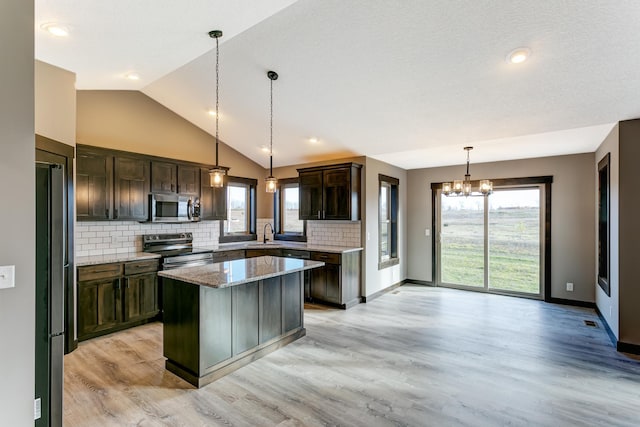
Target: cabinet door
310 195
163 177
318 285
98 306
213 201
140 297
131 189
337 194
189 180
333 283
93 186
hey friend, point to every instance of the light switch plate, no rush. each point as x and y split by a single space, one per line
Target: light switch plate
7 276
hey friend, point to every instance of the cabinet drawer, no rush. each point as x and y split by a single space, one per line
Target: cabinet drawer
295 253
228 255
329 258
100 271
252 253
138 267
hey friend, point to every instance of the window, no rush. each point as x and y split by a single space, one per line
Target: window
388 222
240 224
289 226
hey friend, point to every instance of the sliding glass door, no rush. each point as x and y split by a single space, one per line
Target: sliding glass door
462 241
491 243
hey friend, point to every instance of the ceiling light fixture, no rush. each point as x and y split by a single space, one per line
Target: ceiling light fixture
216 174
313 140
271 181
519 55
212 113
55 29
133 76
464 188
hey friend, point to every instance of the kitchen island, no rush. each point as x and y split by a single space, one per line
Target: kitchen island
222 316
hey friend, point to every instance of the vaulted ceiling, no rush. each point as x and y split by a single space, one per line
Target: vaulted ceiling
409 82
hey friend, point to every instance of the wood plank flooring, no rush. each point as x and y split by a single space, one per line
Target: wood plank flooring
417 356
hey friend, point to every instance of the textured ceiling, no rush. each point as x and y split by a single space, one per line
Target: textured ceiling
409 82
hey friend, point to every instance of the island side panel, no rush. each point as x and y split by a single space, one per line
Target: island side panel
271 309
292 301
215 326
246 317
181 324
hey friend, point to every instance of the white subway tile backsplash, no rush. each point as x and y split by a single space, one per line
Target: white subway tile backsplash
100 238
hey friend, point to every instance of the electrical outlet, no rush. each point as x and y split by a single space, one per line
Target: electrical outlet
426 232
7 276
569 287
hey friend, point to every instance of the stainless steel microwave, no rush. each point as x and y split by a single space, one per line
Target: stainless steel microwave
173 208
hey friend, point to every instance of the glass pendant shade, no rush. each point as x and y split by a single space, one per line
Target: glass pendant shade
446 188
466 188
216 177
486 186
457 186
271 184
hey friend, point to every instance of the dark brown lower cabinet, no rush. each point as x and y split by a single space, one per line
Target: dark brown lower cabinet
98 303
140 297
111 298
338 282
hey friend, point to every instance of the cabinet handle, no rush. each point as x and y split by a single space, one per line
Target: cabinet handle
318 214
323 215
178 188
106 213
171 187
115 213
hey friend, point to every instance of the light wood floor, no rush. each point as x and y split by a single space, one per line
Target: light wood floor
418 356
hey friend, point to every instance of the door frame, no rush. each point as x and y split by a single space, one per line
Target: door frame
544 182
43 147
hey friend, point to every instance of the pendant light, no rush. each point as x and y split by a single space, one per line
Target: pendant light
463 187
271 181
216 174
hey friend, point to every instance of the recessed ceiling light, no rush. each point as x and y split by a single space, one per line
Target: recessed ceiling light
133 76
56 29
212 112
264 149
519 55
313 140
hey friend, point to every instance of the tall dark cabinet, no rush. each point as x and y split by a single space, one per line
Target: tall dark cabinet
330 192
94 178
131 189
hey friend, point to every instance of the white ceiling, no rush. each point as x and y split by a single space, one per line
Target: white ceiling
409 82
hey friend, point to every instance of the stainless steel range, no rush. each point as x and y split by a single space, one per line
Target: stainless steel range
177 250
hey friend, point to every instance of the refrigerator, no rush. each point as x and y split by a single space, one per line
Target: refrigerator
50 292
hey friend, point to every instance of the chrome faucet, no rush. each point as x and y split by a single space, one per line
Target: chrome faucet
264 232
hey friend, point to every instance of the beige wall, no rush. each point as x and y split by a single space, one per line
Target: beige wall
55 103
573 224
609 305
131 121
376 280
17 227
629 242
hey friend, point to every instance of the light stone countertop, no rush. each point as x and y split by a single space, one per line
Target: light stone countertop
240 271
114 258
279 244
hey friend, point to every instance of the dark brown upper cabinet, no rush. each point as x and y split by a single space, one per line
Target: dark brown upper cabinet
213 201
175 178
94 176
330 192
131 189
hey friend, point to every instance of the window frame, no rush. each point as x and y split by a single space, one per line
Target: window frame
251 184
278 202
392 208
